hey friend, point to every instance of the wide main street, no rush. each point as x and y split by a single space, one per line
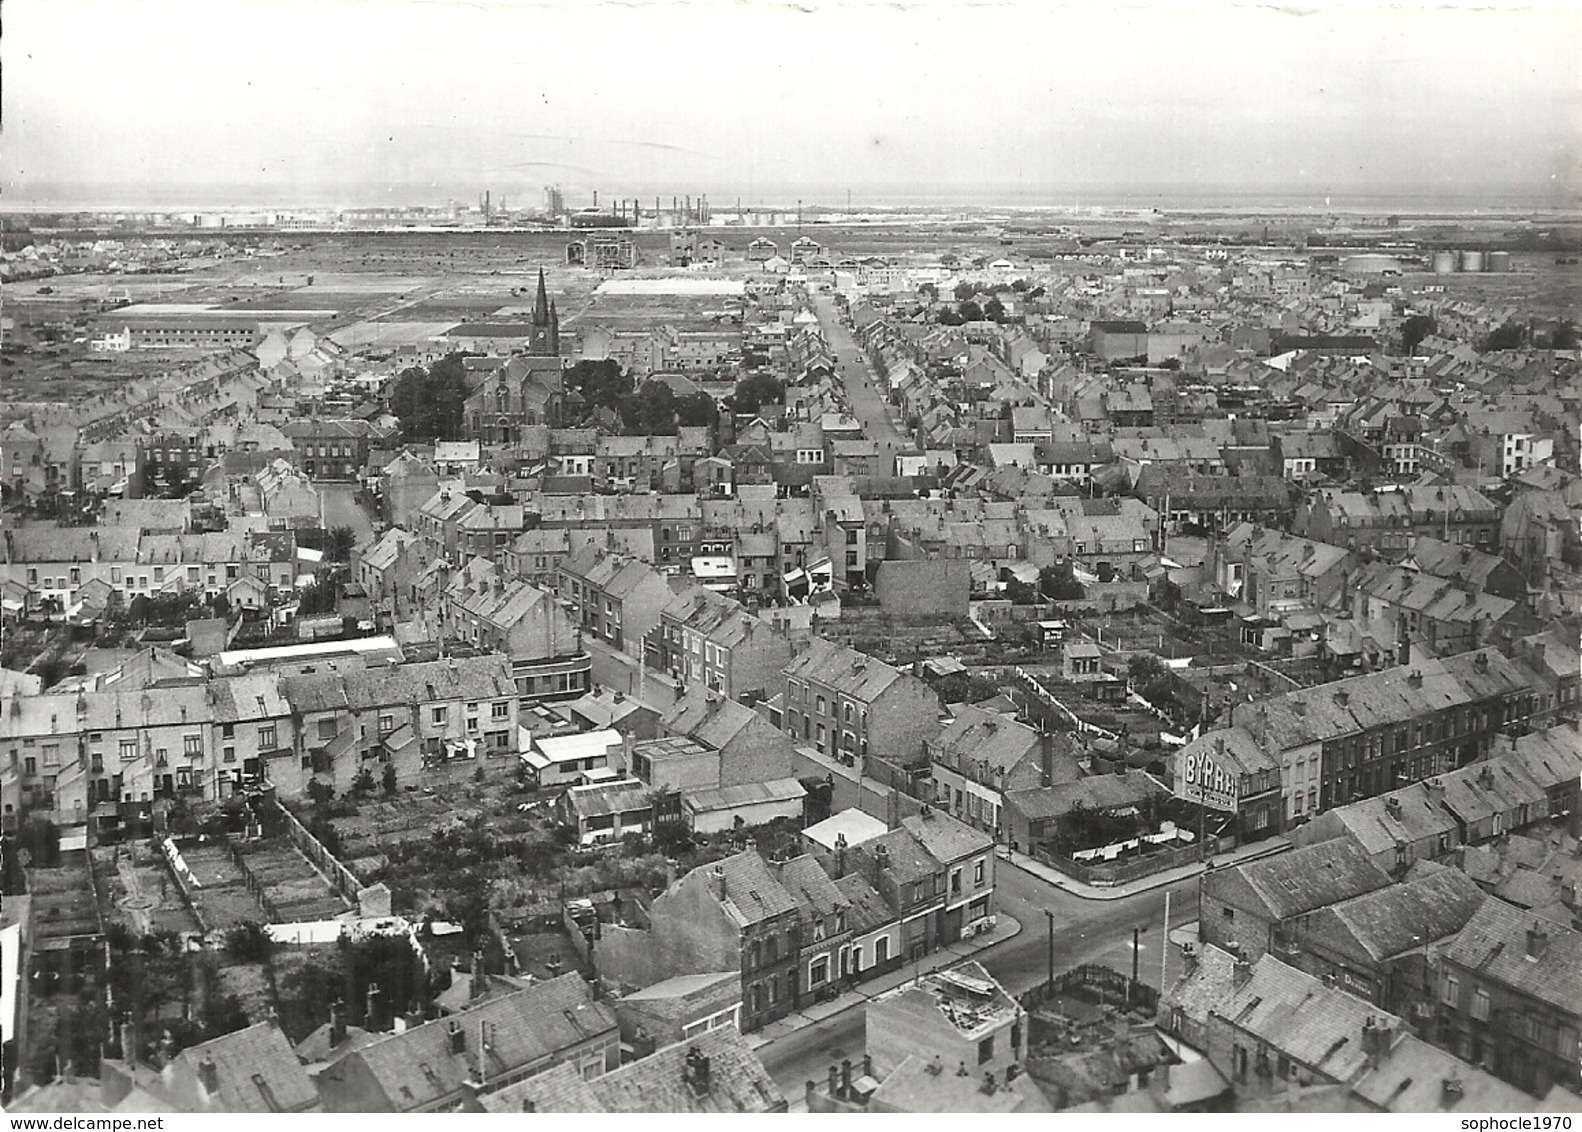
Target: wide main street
1085 931
867 403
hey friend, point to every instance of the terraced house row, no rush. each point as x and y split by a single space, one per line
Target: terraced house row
102 757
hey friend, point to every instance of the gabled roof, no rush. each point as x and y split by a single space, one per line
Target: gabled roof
254 1070
844 669
1495 943
1297 1015
737 1083
417 1067
1422 910
1289 884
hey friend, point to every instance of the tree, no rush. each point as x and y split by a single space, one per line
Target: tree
248 942
1415 329
1507 337
964 291
430 403
696 410
930 291
1019 592
338 546
178 484
389 778
602 383
994 310
949 317
757 389
1564 336
1059 583
651 412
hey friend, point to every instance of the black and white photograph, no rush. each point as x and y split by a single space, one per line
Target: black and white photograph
790 557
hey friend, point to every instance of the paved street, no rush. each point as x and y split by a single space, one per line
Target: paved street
1086 931
867 403
341 509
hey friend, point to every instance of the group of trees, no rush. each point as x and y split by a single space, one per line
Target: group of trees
1516 336
429 402
652 409
968 306
755 390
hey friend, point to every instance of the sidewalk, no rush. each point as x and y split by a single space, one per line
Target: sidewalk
1006 927
1060 880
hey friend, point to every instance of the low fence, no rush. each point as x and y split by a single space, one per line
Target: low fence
1093 983
1111 873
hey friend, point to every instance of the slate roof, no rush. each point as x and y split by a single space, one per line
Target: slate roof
1289 884
1411 1078
738 1083
1391 921
810 886
944 838
844 669
417 1067
1494 945
978 736
426 682
752 894
714 722
256 1070
1296 1014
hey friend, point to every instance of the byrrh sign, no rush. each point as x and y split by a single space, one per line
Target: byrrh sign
1207 778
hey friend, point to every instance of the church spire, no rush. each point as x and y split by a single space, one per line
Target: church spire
541 304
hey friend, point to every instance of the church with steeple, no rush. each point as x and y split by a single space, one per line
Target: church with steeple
544 340
525 391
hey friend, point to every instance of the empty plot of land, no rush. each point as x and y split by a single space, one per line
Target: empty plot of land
363 335
63 904
674 285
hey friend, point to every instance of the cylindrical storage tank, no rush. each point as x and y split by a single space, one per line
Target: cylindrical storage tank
1471 261
1500 262
1444 263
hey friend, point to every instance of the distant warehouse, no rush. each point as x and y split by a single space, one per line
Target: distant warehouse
184 326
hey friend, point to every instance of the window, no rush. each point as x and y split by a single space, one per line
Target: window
1230 913
128 750
500 710
881 949
986 1050
1450 990
439 715
266 738
193 745
818 971
1480 1004
820 705
326 729
386 724
917 893
977 872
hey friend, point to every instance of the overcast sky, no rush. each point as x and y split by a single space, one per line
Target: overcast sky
754 97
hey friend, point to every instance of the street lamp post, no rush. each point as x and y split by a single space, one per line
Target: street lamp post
1050 916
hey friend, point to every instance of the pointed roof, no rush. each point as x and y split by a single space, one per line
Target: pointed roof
541 303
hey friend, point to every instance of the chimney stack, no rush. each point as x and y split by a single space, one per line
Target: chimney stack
337 1024
840 855
717 882
1537 941
209 1075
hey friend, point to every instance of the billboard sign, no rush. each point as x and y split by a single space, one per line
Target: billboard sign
1205 776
